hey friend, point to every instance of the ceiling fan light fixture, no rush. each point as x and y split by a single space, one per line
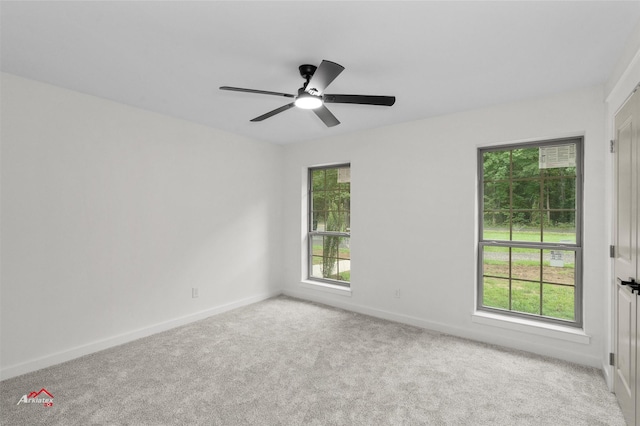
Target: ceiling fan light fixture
307 101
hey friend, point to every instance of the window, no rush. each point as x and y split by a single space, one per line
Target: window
329 224
530 239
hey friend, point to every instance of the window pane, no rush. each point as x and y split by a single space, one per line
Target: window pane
558 301
321 261
495 261
331 257
330 245
331 200
526 195
329 266
331 179
525 233
559 267
525 162
559 193
337 221
525 297
566 172
496 226
316 267
344 179
559 227
333 221
317 255
496 195
495 293
344 261
345 201
344 270
319 201
317 180
319 221
525 264
345 251
318 245
495 165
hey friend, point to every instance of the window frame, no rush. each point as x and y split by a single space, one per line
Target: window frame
311 233
576 247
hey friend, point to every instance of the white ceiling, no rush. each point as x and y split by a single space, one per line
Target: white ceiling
435 57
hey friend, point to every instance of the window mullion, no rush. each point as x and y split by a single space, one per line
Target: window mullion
510 280
540 278
510 209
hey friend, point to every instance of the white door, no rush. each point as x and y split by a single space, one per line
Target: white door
626 257
625 385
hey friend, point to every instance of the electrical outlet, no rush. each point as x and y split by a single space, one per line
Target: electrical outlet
397 293
194 292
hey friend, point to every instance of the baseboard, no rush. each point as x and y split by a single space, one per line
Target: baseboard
99 345
607 372
378 313
466 333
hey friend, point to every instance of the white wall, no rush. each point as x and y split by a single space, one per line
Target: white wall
414 218
110 215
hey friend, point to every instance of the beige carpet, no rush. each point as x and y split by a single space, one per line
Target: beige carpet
288 362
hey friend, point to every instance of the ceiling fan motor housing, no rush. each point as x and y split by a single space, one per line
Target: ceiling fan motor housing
307 71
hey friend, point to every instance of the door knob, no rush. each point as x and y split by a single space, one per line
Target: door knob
632 284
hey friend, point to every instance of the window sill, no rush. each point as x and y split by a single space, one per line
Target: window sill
532 327
326 287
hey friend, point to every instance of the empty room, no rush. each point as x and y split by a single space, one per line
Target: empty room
319 213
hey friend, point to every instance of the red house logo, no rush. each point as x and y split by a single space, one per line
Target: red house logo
41 391
43 397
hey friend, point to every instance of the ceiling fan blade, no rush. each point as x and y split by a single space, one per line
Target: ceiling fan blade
323 76
261 92
326 116
274 112
360 99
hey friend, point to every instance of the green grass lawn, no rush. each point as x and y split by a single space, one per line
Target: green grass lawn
551 235
557 301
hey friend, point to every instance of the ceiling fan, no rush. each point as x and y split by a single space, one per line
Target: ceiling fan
311 95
